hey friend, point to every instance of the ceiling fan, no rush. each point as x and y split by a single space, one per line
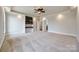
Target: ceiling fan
39 10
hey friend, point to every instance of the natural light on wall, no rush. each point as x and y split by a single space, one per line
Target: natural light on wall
34 19
19 16
59 16
44 18
74 6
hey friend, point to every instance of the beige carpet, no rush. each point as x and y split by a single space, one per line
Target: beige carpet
40 42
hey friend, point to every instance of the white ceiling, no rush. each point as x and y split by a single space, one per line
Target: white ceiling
29 10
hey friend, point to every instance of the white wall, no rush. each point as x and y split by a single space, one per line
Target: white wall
1 25
14 24
66 23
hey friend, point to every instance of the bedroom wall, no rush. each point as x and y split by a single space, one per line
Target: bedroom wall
2 18
78 23
64 22
14 24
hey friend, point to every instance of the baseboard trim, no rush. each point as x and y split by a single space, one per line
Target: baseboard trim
2 39
64 33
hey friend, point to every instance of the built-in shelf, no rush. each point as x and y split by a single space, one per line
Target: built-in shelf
28 24
28 27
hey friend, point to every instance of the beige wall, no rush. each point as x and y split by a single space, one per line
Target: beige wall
65 24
